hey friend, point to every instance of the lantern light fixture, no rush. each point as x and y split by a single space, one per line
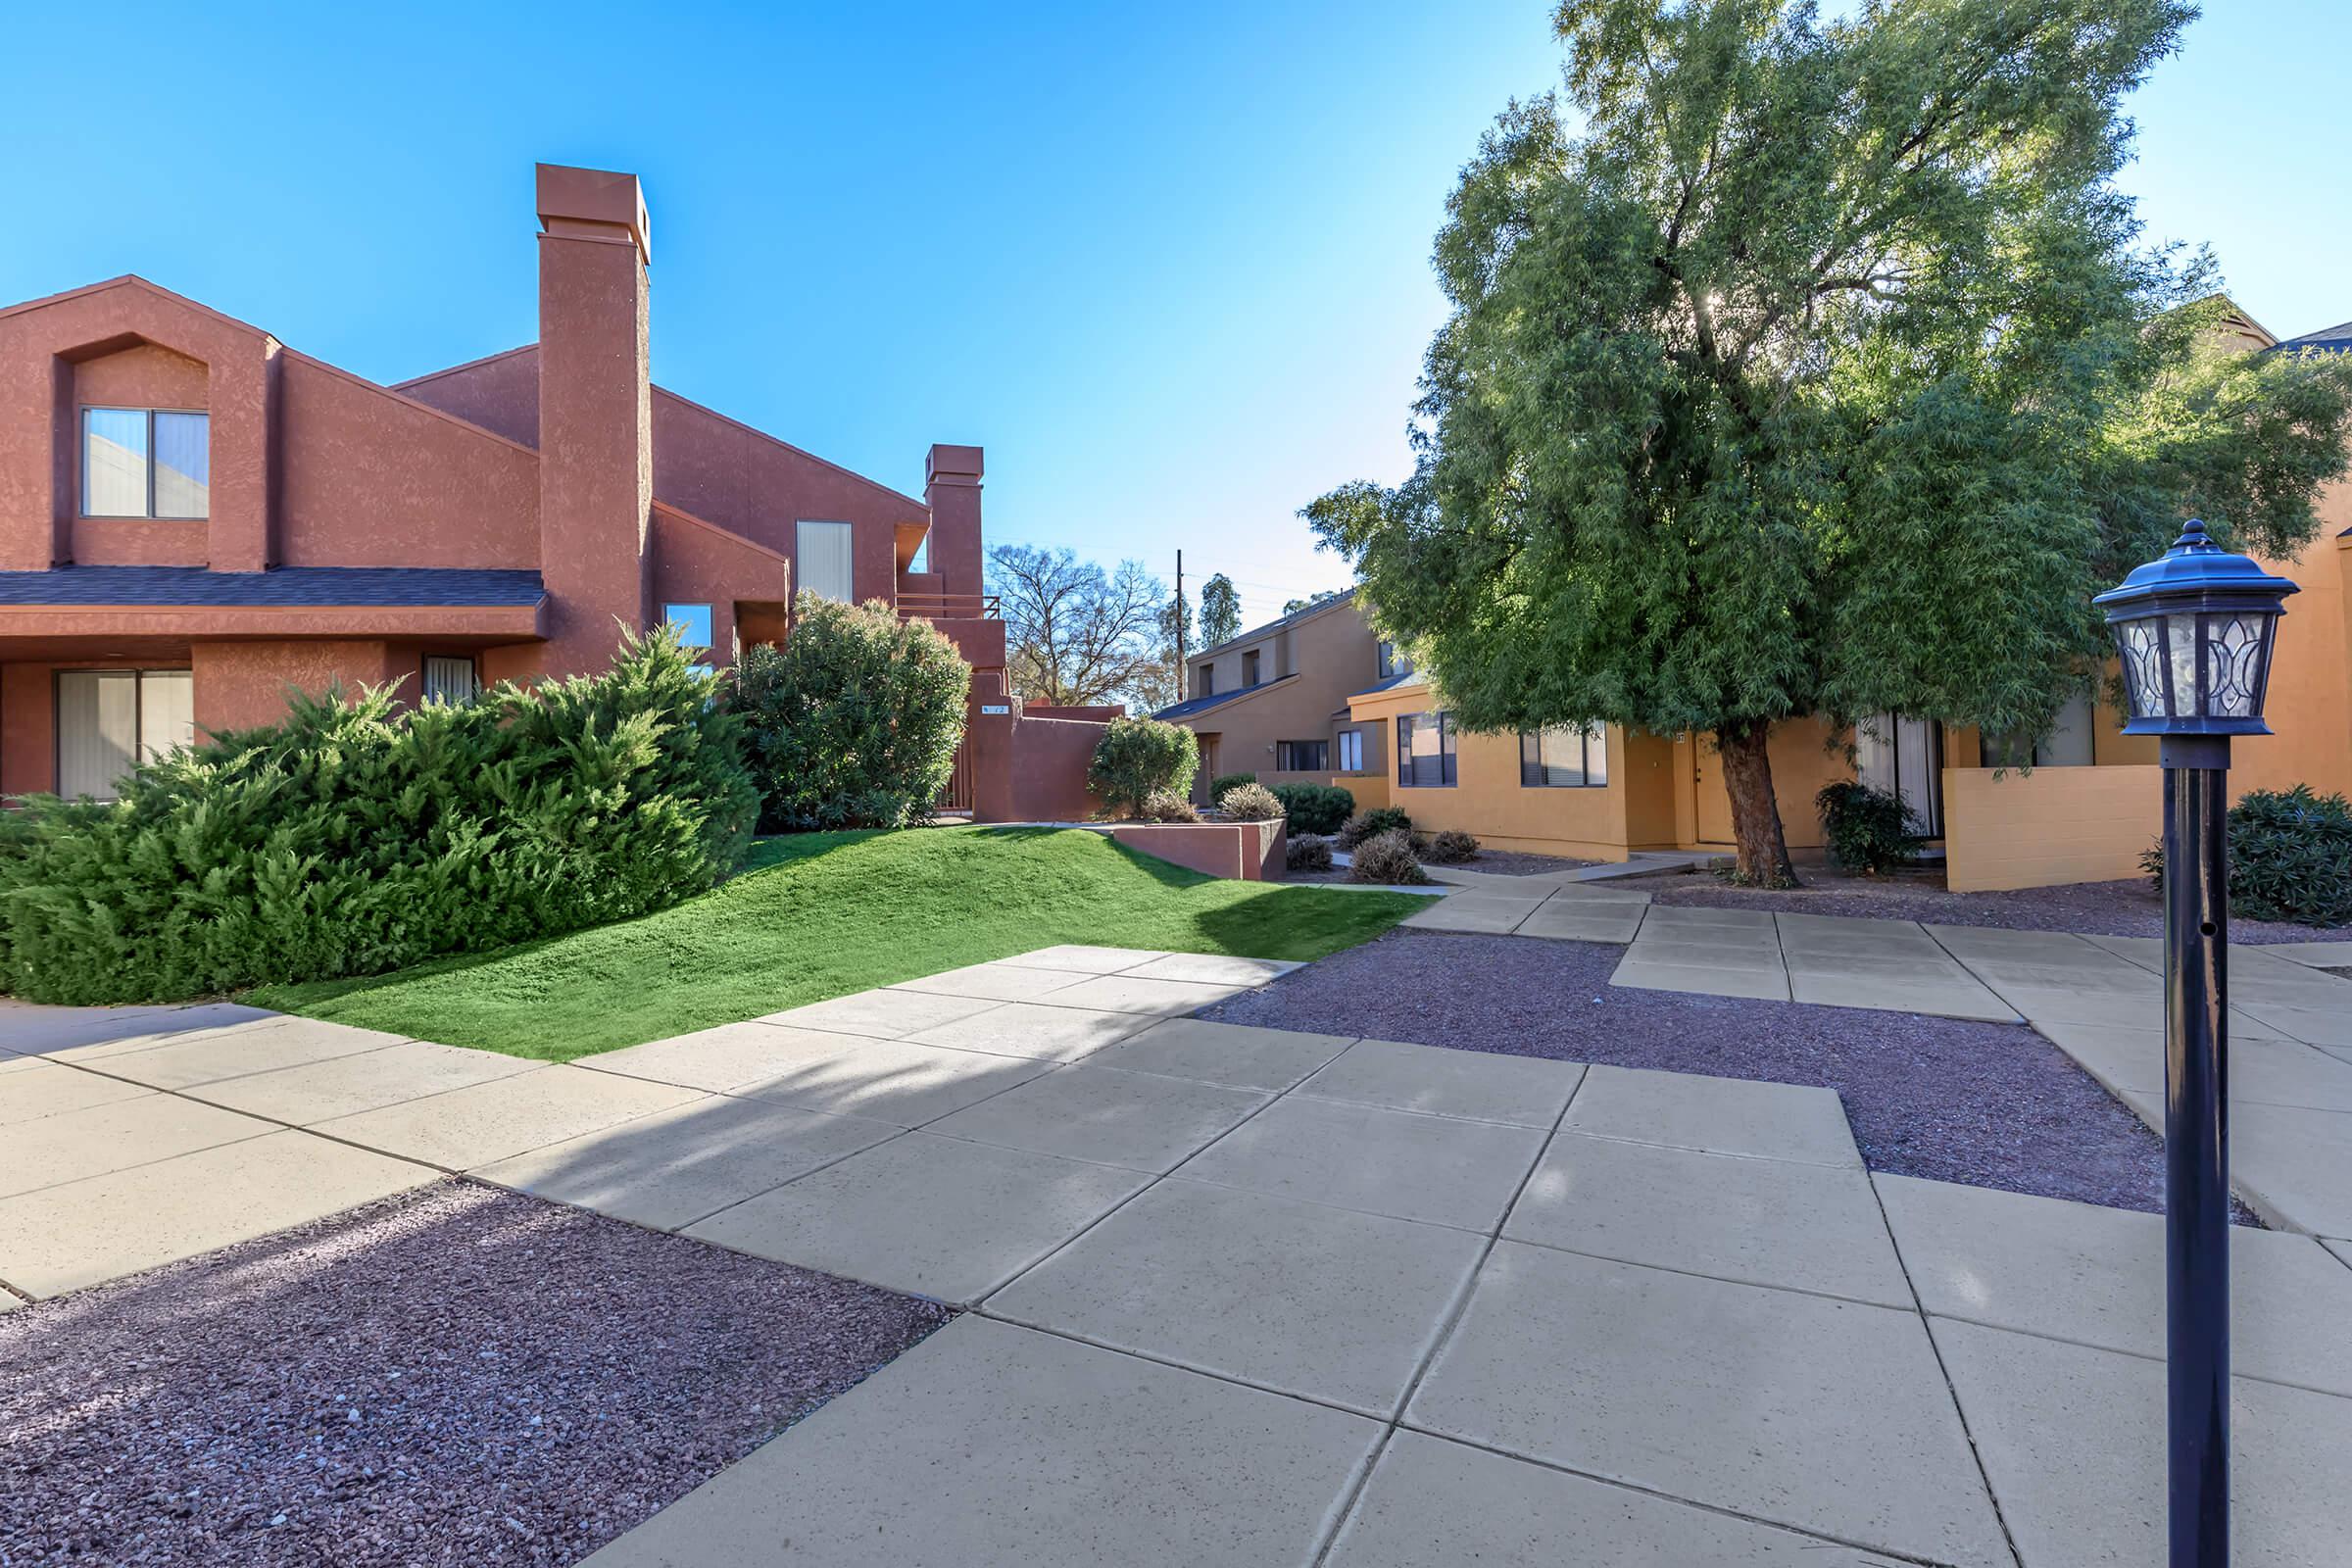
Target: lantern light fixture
2194 629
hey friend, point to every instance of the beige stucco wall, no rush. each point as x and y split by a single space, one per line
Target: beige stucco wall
1328 655
2050 826
1486 800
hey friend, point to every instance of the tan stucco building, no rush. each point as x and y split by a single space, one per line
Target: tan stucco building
2082 806
1273 701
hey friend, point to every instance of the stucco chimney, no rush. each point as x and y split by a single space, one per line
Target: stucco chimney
596 413
952 490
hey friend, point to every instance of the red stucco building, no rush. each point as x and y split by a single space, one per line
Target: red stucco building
194 516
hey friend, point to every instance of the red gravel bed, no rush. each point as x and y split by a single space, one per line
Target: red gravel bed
1948 1098
2127 909
457 1376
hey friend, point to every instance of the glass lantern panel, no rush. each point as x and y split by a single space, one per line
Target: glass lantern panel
2181 653
2233 664
2142 650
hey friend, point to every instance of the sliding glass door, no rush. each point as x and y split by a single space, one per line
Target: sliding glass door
110 720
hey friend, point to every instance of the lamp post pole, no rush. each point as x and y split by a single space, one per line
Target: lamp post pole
2196 1144
2193 630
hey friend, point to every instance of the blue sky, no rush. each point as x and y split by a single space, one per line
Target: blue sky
1169 264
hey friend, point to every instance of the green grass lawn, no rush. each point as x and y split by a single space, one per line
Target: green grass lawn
822 914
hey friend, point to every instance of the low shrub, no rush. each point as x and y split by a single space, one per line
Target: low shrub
1370 824
1225 781
1320 808
2291 858
1867 831
1449 848
855 721
1387 858
1250 803
349 839
1140 757
1308 852
1166 805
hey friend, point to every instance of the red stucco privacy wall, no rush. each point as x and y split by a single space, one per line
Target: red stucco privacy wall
1245 852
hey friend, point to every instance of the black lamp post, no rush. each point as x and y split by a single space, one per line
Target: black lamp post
2194 629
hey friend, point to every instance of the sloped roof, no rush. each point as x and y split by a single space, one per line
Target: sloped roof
1344 596
310 586
2336 339
1191 707
1400 678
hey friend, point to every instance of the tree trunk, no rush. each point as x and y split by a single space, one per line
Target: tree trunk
1755 812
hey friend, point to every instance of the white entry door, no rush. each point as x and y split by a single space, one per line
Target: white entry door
1904 756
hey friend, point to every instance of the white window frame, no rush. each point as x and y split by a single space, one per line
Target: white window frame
148 460
1351 751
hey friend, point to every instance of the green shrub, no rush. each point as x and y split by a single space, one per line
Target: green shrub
1449 848
1166 805
1867 831
1387 859
2291 858
1138 756
1321 809
1370 824
1308 852
854 722
1250 803
1225 781
353 840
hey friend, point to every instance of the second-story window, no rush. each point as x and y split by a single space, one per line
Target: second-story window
146 462
1208 681
821 562
1250 667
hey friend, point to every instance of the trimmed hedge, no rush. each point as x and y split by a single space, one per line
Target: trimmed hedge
353 839
1318 808
2291 858
854 722
1225 781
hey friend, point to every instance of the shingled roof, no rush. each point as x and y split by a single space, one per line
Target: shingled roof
308 587
2336 339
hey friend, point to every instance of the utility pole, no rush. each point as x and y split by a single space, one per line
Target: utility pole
1180 670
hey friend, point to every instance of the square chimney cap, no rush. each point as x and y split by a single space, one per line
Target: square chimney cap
595 196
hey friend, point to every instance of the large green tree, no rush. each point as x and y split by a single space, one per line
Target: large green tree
1221 612
1816 367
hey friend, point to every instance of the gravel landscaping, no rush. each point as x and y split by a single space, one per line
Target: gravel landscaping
2125 908
1515 862
458 1376
1984 1103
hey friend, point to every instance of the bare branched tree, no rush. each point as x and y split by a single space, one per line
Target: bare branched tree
1075 634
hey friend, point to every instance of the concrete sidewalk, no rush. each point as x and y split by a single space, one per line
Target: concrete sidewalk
1250 1296
2099 999
1244 1295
